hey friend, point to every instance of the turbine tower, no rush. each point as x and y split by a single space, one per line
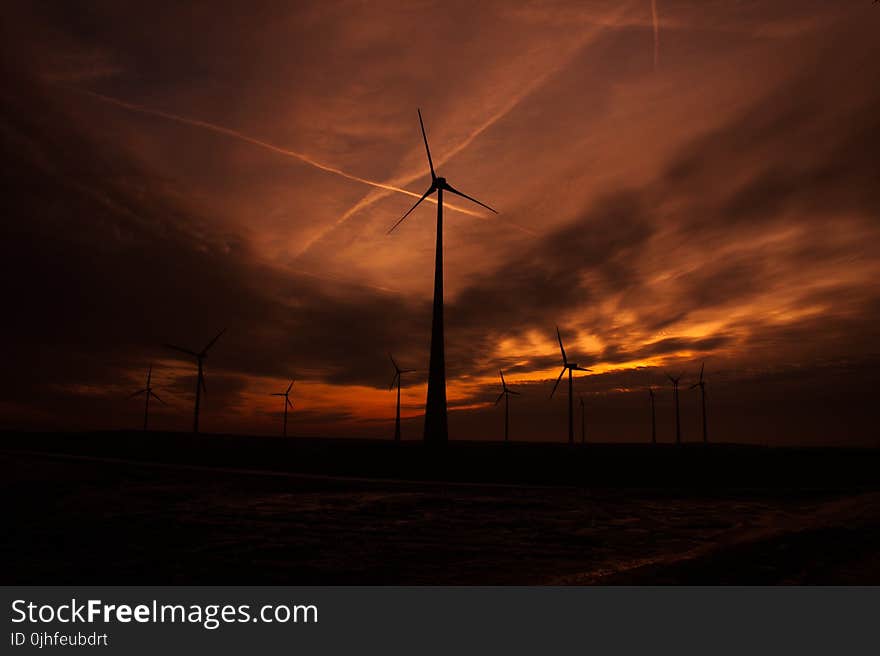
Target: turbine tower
505 392
287 403
436 430
702 385
653 418
570 367
398 374
674 380
148 390
200 380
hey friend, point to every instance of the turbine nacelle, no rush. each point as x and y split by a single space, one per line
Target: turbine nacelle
437 183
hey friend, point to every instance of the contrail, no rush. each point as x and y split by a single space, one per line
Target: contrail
219 129
505 109
656 33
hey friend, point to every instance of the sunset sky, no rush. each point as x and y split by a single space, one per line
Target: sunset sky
676 183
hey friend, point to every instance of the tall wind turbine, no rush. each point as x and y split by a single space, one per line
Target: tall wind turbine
702 385
436 431
674 380
148 391
653 418
287 403
570 367
398 374
200 381
505 392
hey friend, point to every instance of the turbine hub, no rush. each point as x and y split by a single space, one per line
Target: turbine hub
439 182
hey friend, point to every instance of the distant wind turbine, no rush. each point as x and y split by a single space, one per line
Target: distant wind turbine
570 367
287 403
674 380
583 421
702 385
148 391
653 418
436 427
505 392
398 375
200 381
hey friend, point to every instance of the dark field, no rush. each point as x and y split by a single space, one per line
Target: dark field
126 508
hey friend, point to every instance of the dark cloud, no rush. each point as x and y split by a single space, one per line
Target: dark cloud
750 241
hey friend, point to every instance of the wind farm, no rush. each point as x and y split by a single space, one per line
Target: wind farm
603 169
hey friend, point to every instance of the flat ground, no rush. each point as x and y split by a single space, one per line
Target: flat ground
96 518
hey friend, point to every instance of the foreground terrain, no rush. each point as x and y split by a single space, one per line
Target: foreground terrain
106 510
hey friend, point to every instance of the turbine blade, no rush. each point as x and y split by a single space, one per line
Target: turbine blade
211 343
289 387
702 366
561 374
500 396
276 394
427 150
394 363
149 375
455 191
181 349
131 396
289 403
561 347
156 396
418 202
394 380
503 382
510 391
582 369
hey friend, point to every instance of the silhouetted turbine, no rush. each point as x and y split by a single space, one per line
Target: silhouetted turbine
148 390
675 380
583 421
567 366
702 385
398 375
505 392
200 381
653 418
436 430
287 403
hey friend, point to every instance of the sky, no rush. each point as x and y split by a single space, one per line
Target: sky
677 183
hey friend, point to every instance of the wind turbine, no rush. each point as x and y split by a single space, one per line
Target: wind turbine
398 374
570 367
200 381
148 390
653 418
674 380
702 385
505 392
583 421
286 395
436 430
